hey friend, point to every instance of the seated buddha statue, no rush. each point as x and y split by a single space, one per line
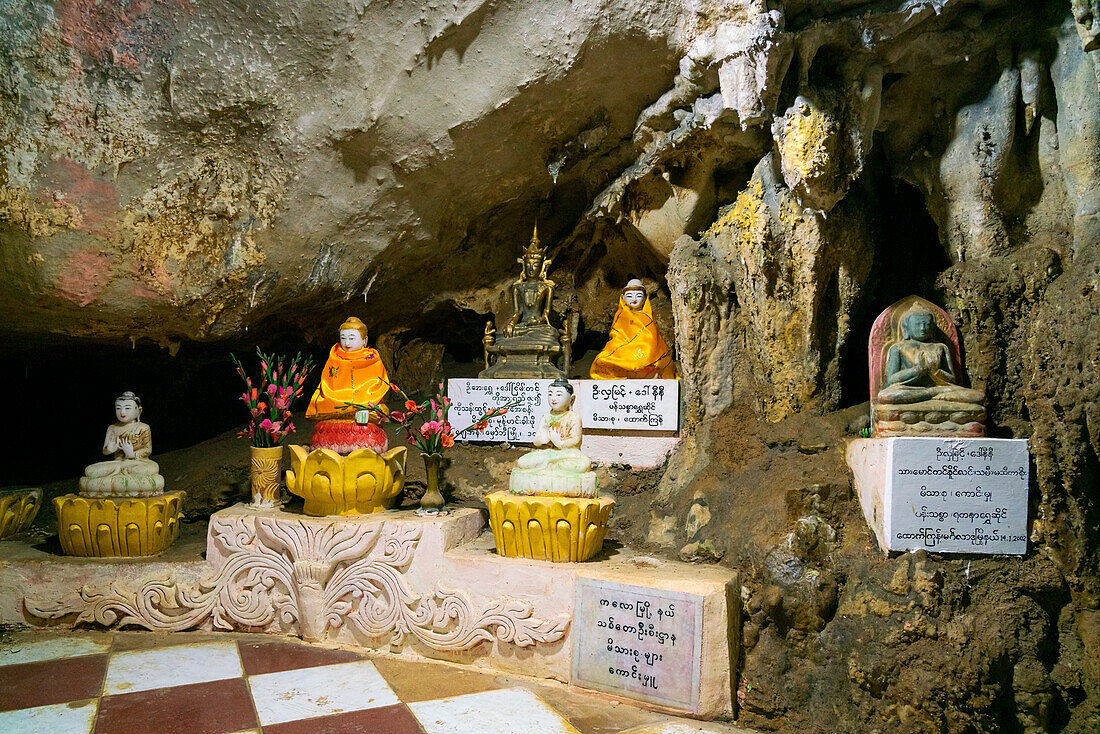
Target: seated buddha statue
916 389
529 342
130 472
560 468
353 373
635 350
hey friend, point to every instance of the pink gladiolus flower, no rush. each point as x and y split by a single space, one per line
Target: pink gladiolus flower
397 417
270 427
446 400
431 428
271 389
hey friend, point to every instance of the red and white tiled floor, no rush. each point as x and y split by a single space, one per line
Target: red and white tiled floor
196 683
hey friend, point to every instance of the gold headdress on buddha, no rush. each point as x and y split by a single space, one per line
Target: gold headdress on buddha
533 251
353 322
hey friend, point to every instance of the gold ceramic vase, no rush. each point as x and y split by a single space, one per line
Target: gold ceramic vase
432 501
265 471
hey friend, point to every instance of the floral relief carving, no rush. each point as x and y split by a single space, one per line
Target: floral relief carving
310 577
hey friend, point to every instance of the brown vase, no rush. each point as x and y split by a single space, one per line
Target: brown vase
432 501
266 471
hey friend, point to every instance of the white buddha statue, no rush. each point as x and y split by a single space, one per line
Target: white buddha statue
561 468
130 473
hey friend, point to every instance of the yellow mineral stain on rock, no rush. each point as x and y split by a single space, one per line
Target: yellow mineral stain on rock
35 217
803 140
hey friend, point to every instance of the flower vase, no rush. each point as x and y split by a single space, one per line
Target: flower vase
432 502
265 471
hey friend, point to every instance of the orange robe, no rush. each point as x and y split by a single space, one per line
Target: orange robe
635 350
348 377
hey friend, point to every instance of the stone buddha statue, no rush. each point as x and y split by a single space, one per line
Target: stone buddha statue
915 372
560 468
353 373
635 349
130 472
529 342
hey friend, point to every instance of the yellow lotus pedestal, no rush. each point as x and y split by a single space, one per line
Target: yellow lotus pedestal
121 526
360 483
18 509
547 527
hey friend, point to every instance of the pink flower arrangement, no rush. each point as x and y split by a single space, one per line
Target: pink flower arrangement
434 434
281 382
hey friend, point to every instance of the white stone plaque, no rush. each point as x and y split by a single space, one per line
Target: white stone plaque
629 405
946 495
638 641
472 398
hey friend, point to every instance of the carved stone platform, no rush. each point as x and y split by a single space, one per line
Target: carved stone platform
417 587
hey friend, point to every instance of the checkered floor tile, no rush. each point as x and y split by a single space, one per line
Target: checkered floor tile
142 683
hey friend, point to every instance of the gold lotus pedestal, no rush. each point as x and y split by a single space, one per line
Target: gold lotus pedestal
18 508
118 526
548 527
361 483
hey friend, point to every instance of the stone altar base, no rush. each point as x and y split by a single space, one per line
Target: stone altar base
946 495
420 587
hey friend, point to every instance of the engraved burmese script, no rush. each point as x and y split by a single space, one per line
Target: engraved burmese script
639 640
961 495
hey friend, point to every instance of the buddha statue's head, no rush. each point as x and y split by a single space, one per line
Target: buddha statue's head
634 294
534 258
353 334
918 323
127 407
559 395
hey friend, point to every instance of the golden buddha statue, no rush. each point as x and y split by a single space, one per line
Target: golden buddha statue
916 374
635 350
353 373
130 472
529 341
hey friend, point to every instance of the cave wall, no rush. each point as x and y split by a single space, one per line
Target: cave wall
776 172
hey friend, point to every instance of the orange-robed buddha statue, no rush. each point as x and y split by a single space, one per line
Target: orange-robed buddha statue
353 373
636 349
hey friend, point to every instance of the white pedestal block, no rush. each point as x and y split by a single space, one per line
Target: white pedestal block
625 448
426 588
946 495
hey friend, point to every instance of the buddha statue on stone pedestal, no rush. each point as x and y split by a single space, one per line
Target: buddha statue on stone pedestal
915 374
557 466
353 373
551 511
347 469
529 342
122 509
635 350
130 472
